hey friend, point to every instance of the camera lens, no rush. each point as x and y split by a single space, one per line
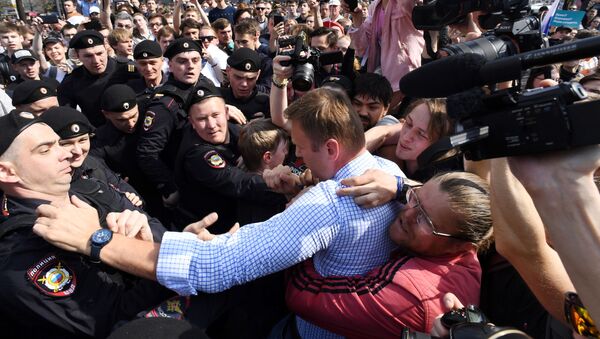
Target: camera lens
304 76
491 47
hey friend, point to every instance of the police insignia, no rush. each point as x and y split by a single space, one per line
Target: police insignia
125 105
75 128
175 308
43 90
145 55
214 160
52 277
149 120
186 45
248 66
90 41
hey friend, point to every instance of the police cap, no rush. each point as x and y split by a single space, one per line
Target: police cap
67 122
118 98
85 39
182 45
244 59
31 91
12 125
147 49
201 92
22 54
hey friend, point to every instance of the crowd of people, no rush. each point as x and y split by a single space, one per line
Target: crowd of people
252 170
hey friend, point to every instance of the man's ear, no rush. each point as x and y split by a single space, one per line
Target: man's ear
333 148
8 173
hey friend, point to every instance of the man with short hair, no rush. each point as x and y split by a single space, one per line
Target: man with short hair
125 21
121 41
156 22
206 170
243 73
303 12
27 67
344 238
224 33
165 118
43 287
70 7
12 40
371 99
34 96
151 7
190 28
149 63
247 35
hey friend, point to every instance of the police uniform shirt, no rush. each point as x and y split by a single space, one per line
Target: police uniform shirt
257 102
163 123
210 181
83 89
47 292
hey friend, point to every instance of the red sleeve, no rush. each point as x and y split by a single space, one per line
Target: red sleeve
376 305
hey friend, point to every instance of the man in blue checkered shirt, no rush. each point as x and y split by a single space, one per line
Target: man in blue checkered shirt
343 238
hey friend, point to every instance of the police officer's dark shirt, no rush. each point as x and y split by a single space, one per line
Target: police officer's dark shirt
47 292
209 180
255 103
161 133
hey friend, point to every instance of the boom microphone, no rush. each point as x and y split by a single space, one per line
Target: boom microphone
461 72
444 77
509 68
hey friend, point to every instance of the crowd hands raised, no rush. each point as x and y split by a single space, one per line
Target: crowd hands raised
175 160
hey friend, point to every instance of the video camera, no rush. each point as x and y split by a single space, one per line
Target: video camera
511 28
469 323
305 60
508 122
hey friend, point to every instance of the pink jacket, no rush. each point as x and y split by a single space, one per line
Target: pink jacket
401 42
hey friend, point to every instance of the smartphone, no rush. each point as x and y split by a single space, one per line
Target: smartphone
277 19
49 19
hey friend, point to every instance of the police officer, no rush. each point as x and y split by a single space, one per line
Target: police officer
34 96
165 118
206 171
74 130
115 142
46 291
84 86
149 62
243 70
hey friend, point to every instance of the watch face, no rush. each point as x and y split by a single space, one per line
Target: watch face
101 236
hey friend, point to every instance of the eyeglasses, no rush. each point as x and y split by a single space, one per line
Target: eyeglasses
206 38
412 202
260 8
152 24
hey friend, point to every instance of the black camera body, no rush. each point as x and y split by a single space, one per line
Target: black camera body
305 60
509 123
511 29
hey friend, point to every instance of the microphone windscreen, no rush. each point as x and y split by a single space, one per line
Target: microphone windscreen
444 77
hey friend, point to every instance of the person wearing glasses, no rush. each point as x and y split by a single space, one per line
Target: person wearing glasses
438 231
213 58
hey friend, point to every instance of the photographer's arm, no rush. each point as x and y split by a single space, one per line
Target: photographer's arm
278 96
520 238
37 45
563 190
316 12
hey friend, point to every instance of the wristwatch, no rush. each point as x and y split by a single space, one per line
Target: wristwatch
99 239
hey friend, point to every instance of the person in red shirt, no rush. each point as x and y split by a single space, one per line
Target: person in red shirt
438 231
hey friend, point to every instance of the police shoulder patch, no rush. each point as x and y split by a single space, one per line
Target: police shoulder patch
52 277
214 159
149 120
